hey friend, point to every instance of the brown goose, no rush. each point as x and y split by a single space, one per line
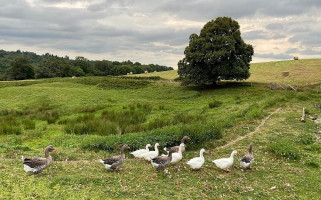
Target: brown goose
248 159
177 147
36 165
114 162
161 162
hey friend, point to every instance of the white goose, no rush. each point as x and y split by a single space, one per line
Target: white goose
225 163
139 153
177 156
151 154
197 162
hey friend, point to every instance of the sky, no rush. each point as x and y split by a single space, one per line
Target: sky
156 31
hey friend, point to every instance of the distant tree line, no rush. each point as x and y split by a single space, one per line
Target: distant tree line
18 65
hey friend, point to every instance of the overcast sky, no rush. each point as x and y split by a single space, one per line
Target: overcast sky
156 31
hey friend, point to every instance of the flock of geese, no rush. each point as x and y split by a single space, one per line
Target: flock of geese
175 154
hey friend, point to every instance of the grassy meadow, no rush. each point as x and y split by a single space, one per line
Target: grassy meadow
88 118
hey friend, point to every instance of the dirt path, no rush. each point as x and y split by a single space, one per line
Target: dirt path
249 134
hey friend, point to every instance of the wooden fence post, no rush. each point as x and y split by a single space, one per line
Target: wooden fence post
303 115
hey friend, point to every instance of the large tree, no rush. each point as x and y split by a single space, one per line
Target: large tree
20 68
218 53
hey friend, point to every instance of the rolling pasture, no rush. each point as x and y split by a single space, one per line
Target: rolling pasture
87 119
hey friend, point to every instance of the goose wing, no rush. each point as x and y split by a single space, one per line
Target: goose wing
247 159
112 160
35 162
161 160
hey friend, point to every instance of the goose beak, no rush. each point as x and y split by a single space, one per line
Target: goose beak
188 138
54 149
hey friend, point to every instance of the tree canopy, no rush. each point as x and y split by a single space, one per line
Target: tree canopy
218 53
49 66
20 69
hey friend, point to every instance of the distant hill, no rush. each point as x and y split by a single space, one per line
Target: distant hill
301 72
49 65
307 71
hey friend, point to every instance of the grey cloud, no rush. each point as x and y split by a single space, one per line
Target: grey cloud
281 56
308 38
111 25
304 50
274 26
253 35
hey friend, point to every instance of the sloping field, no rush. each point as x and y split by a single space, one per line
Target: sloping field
86 119
301 72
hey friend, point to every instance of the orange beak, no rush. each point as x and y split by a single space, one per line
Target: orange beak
54 148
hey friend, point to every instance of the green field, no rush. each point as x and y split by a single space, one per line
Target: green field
86 119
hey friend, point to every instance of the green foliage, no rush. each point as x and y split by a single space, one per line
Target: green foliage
53 67
218 53
115 83
20 68
49 66
167 136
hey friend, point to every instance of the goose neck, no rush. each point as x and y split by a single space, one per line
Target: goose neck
47 154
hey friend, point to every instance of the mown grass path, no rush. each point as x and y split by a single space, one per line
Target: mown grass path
249 134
